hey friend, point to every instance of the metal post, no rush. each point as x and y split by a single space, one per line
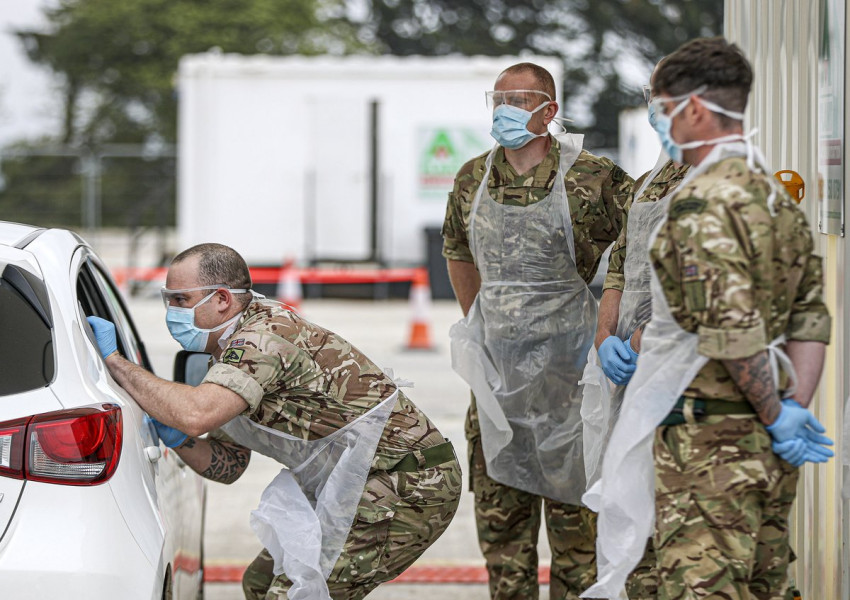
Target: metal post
374 182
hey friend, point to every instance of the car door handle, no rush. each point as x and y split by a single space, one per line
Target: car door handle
153 453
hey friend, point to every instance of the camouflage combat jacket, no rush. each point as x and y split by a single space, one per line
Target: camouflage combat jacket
597 191
308 382
662 184
735 275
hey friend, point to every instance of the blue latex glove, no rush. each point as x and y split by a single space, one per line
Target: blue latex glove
632 353
104 333
796 423
616 360
792 451
798 451
170 437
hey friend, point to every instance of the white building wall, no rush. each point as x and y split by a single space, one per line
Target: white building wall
285 139
639 146
782 39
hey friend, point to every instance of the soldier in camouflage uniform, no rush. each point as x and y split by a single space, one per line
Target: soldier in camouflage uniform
643 581
652 186
736 270
298 378
507 518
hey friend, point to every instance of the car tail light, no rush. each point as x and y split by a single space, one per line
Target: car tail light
12 437
80 446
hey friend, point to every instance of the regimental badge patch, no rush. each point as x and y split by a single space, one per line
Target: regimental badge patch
232 355
687 205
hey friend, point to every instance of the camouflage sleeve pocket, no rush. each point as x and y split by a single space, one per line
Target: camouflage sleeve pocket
694 289
236 381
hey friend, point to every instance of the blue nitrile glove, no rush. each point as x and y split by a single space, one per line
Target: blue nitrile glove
795 422
104 333
632 353
798 451
170 437
615 360
792 451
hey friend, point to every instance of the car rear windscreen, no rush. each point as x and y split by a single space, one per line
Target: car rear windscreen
26 337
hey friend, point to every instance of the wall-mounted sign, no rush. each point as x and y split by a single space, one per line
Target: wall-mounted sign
441 152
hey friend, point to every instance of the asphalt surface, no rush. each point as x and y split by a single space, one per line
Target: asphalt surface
381 329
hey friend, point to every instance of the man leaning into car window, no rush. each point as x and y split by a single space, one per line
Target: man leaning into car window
369 475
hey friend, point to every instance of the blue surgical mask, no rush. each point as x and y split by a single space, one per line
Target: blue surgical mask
664 123
181 325
510 126
662 126
652 115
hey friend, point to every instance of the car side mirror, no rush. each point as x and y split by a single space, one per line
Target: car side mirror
190 367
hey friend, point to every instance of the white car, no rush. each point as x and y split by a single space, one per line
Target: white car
91 504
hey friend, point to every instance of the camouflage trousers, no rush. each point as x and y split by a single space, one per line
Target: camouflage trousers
722 499
508 522
642 583
399 516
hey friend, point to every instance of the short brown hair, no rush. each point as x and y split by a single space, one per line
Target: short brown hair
542 76
219 264
711 62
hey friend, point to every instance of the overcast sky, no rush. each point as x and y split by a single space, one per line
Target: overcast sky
29 104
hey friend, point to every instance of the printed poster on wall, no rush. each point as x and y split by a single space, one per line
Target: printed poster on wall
441 152
831 119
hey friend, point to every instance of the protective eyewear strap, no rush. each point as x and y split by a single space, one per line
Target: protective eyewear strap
681 99
738 116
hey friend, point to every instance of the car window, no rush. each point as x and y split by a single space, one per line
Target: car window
27 348
122 319
93 303
98 297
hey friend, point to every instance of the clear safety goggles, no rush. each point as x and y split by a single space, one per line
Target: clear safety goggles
169 295
524 99
647 94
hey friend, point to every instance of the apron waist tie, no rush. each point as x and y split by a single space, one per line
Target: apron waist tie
691 410
426 458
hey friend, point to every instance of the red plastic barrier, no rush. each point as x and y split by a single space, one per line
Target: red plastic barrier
415 574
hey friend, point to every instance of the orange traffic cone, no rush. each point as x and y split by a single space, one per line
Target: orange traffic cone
289 286
420 306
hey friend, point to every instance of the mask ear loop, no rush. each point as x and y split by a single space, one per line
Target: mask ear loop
751 163
559 122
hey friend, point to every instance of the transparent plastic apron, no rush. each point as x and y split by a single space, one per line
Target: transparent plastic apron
669 361
601 398
523 345
306 512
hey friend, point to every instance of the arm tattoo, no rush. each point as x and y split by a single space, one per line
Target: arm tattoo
227 462
755 378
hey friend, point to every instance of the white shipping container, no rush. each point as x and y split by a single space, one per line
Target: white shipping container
639 144
275 152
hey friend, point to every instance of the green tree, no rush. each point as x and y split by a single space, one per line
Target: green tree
116 62
602 42
118 59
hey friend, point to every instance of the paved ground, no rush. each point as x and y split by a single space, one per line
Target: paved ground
381 330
